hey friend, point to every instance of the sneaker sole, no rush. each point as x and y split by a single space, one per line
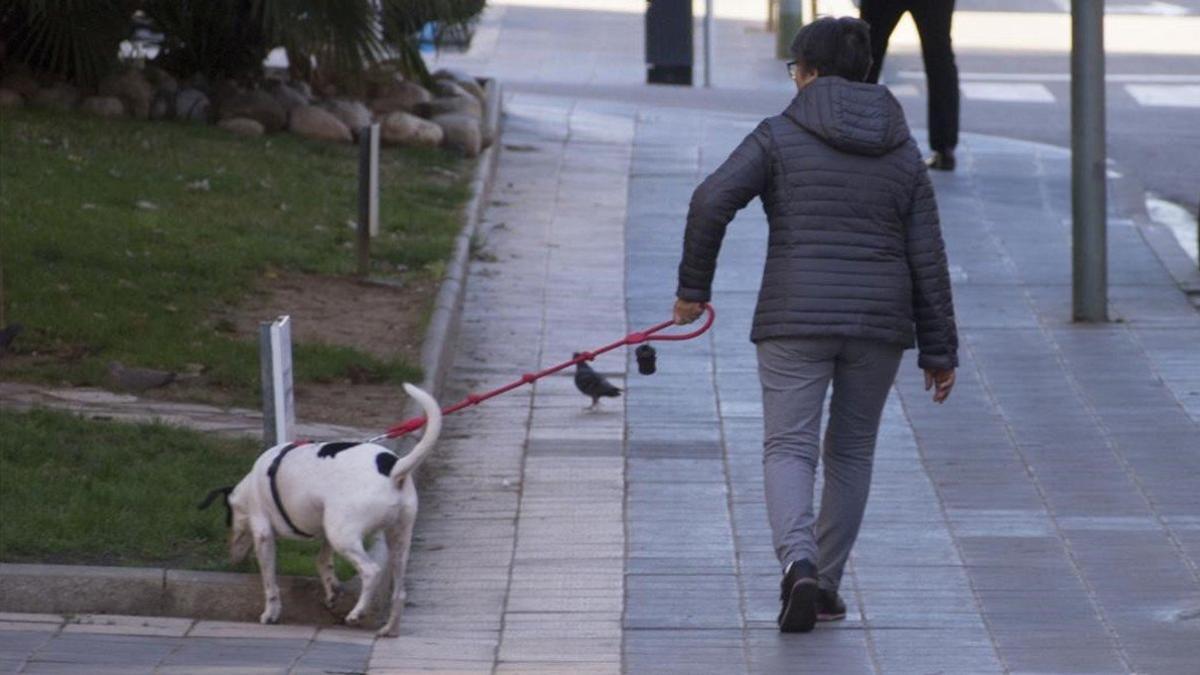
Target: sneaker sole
800 614
830 617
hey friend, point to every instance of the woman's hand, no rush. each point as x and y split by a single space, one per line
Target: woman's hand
943 380
687 312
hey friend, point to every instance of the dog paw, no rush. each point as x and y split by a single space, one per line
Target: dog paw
269 617
332 595
354 619
390 630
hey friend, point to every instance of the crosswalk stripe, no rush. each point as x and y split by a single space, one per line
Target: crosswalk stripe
1019 92
1164 95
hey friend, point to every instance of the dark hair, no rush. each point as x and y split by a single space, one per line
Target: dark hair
830 46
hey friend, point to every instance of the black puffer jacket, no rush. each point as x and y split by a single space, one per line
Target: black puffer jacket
855 248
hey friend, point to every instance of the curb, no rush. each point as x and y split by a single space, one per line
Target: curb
1128 195
441 336
232 596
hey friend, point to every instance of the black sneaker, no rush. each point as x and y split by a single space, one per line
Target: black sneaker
798 596
941 160
830 606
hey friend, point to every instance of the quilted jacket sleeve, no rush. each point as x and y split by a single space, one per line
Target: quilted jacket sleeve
742 177
933 304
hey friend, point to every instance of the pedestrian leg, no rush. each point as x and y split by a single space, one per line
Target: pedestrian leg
863 375
933 19
795 375
882 15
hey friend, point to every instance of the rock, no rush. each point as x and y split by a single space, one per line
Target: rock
404 96
132 88
59 96
462 133
288 97
475 89
22 82
192 105
161 80
448 88
351 113
304 88
401 128
242 126
256 105
314 122
163 105
103 106
385 85
450 74
465 105
11 99
138 379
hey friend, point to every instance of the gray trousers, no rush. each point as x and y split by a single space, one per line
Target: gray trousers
795 374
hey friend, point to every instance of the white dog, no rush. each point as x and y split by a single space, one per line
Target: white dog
339 493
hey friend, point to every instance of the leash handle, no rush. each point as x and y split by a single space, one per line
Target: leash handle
637 337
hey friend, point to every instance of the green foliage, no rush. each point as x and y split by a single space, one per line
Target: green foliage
78 39
84 491
74 39
219 38
122 239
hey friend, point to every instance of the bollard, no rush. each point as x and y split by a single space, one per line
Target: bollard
275 357
1089 225
368 195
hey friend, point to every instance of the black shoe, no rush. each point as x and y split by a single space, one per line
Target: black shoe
941 160
798 596
830 606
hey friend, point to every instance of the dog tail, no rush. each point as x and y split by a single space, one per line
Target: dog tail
433 428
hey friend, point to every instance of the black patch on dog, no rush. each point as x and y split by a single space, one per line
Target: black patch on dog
384 461
332 449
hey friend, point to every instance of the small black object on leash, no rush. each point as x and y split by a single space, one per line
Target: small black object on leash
647 359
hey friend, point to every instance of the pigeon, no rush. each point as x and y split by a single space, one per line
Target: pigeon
591 384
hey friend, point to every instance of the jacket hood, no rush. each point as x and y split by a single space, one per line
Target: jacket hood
854 117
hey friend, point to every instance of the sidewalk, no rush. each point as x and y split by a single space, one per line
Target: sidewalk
1045 519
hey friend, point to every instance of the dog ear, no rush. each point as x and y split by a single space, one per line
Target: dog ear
212 495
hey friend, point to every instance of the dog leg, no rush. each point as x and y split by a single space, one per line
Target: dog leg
399 539
351 548
329 580
264 550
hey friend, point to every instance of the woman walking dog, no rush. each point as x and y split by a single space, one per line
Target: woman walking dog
855 273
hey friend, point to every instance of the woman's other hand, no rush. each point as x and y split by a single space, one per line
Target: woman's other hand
687 312
941 381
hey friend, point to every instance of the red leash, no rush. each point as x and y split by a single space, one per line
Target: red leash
414 423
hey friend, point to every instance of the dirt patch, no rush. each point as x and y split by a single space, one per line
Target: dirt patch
380 319
386 320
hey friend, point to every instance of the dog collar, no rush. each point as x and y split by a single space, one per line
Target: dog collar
274 469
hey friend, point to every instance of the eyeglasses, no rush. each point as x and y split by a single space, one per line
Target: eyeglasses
791 68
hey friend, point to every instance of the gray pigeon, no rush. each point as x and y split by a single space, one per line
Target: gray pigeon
591 384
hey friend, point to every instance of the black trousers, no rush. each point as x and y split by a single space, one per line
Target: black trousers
941 74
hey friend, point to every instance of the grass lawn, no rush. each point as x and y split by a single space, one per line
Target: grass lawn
118 239
109 493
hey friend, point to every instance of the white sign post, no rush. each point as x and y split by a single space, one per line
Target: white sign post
275 353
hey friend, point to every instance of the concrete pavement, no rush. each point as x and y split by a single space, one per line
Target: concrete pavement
1044 520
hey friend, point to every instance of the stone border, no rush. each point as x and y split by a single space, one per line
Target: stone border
229 596
442 334
1128 194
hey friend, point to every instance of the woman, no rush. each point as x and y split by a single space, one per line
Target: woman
856 270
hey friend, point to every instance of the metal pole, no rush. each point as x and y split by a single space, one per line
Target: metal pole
1089 235
368 195
791 18
708 19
